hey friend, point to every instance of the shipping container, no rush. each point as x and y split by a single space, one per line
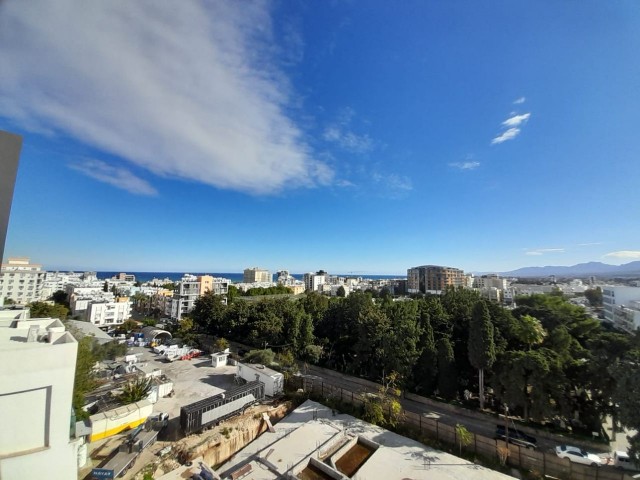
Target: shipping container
273 381
211 411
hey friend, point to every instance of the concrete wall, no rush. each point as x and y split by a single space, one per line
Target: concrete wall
35 410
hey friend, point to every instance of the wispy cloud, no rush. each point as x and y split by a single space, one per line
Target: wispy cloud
116 176
589 244
516 120
519 101
187 93
392 185
543 251
513 125
625 254
470 165
509 134
341 133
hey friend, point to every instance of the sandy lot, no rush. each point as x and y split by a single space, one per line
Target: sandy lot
193 380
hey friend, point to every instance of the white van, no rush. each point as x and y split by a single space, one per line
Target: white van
621 460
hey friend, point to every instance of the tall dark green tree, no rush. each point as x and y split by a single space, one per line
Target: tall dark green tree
447 373
627 396
481 347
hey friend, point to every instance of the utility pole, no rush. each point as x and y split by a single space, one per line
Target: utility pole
506 424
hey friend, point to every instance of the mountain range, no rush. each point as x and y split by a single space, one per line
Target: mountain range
579 270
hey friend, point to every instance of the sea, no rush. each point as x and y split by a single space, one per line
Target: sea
234 277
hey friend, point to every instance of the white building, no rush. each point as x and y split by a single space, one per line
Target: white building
622 306
21 281
35 400
109 314
314 281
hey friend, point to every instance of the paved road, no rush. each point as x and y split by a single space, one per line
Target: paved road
485 428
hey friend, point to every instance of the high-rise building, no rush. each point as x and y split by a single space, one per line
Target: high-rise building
433 278
21 281
256 275
10 146
313 281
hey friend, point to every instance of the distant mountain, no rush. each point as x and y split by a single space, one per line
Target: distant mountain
581 269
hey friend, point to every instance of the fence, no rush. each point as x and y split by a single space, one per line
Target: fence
543 463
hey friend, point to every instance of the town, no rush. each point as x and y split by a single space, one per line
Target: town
170 376
293 240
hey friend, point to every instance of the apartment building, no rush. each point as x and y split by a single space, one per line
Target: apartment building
433 278
189 289
256 275
35 400
104 313
622 306
314 281
21 281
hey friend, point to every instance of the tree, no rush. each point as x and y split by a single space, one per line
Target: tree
341 292
60 297
262 357
208 314
128 325
185 330
594 296
220 344
384 407
447 374
529 330
46 310
135 391
627 396
463 435
481 347
84 380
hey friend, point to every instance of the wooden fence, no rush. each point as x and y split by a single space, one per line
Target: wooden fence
544 463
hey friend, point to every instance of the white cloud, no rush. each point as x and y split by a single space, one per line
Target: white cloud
589 244
509 134
542 251
117 176
629 254
471 165
519 101
516 120
187 92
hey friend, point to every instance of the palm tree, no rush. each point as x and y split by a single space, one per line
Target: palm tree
135 391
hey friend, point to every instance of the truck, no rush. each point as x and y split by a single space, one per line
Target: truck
203 414
125 456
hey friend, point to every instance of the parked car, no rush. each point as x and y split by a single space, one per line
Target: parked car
578 455
516 437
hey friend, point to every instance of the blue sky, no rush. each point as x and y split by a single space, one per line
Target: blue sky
350 136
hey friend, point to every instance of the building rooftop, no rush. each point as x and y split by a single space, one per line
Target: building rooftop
88 328
33 333
331 446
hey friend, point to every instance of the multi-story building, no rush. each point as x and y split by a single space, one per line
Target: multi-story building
109 313
190 288
21 281
314 281
35 400
433 278
256 275
622 306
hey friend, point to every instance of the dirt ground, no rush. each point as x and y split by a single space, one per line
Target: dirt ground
193 380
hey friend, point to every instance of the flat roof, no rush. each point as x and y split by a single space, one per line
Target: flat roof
14 334
312 431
